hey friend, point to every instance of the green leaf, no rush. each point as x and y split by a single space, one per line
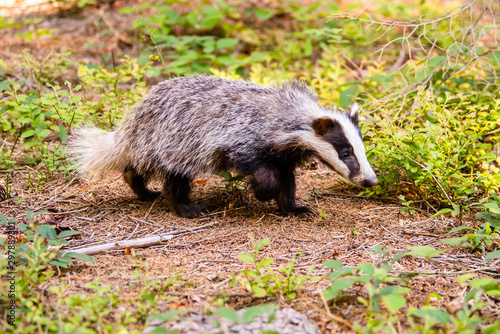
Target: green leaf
367 268
442 212
425 251
64 258
63 134
398 256
461 228
46 231
493 207
333 264
265 262
58 263
264 14
334 290
67 233
486 284
28 133
431 295
43 133
393 302
258 291
226 175
455 241
377 249
493 255
345 96
308 48
226 43
263 243
211 17
250 273
433 62
257 310
228 313
462 279
430 313
79 256
247 257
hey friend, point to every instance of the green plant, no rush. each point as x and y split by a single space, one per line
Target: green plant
233 182
40 250
36 123
30 263
381 288
263 281
152 291
466 319
485 235
119 89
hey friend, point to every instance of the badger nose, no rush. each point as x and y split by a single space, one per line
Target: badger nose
370 182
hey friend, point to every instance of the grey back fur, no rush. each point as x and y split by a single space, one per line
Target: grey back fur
184 123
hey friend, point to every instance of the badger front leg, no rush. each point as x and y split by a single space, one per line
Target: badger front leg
265 183
286 195
278 182
177 187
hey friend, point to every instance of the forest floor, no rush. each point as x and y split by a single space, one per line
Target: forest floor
201 258
202 255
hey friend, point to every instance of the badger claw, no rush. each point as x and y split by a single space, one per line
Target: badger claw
149 196
189 210
303 212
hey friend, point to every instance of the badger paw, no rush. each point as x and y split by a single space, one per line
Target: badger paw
149 196
189 210
303 212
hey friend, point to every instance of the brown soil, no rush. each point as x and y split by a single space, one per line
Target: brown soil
204 260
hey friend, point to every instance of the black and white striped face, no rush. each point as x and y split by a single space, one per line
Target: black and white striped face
339 144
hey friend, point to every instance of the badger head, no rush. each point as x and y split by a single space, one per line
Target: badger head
339 144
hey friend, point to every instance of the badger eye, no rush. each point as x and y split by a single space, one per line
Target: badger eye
345 155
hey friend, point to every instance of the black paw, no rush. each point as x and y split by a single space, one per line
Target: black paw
191 210
149 196
303 212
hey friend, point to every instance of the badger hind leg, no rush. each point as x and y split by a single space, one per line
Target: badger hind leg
286 195
138 184
178 187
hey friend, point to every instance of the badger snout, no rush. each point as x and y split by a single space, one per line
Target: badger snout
370 182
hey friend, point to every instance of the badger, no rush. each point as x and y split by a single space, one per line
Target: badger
188 127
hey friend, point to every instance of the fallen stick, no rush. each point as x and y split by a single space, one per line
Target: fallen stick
135 243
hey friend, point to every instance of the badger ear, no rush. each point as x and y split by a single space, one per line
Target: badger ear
323 125
353 113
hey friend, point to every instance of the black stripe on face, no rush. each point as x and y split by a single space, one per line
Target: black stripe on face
332 132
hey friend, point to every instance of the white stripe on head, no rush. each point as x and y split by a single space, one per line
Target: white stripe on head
326 152
351 132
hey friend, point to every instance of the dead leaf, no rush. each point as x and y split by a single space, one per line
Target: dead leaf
199 181
73 278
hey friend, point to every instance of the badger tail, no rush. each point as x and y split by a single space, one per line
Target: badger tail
96 152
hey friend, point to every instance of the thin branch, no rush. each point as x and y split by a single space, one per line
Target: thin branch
135 243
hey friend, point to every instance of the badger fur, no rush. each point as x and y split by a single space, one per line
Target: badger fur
192 126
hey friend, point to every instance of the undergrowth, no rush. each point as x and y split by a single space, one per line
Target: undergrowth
431 125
